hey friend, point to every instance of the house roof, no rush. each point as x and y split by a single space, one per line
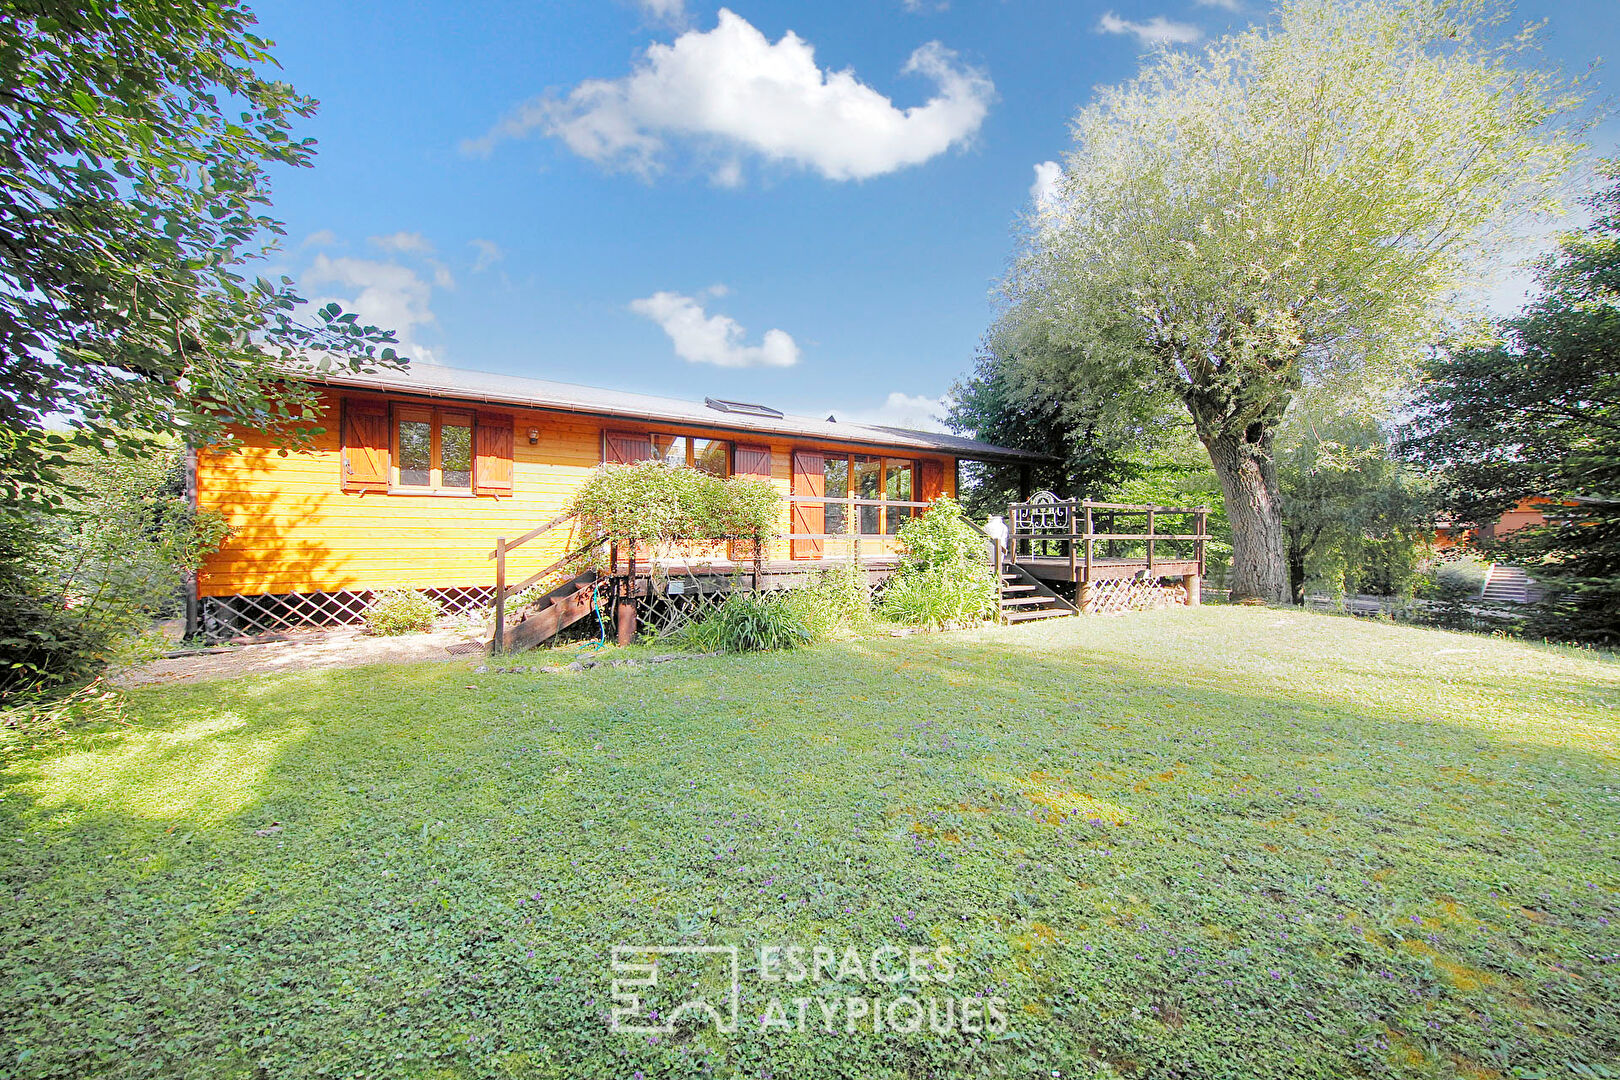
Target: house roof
486 387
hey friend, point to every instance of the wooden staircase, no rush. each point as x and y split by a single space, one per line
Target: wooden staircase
1506 585
1024 598
556 611
562 607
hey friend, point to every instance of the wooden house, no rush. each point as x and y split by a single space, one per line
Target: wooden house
420 472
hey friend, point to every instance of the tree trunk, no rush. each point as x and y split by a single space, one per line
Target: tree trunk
1296 568
1254 508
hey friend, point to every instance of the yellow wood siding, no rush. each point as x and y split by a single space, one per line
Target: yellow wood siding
296 531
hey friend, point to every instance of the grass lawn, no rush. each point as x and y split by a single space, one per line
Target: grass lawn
1223 842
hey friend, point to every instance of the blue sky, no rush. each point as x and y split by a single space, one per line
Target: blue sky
575 191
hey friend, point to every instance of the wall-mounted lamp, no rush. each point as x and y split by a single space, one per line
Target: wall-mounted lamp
534 435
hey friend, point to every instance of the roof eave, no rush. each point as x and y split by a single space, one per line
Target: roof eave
985 452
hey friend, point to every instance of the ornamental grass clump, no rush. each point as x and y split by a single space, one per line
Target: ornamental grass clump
747 622
401 611
834 602
944 578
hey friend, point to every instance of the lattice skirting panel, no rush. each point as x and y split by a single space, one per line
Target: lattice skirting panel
1128 594
665 612
224 617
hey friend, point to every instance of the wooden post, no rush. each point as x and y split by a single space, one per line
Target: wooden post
1001 612
498 641
1150 542
626 614
759 560
1193 583
1074 552
1203 525
1090 530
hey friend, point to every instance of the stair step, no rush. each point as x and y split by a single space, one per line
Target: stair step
1026 601
1044 613
1018 588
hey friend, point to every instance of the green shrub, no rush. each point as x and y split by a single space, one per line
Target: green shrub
944 578
654 503
937 599
81 585
835 601
747 622
401 611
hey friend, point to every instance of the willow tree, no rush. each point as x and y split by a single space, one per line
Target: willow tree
1297 203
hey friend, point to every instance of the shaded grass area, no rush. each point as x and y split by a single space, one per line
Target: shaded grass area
1209 843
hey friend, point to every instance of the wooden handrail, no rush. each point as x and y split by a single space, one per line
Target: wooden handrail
1109 536
513 590
831 501
1134 507
534 533
1063 514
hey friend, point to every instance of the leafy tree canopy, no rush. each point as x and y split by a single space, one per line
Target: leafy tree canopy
1534 410
1023 393
135 143
1293 205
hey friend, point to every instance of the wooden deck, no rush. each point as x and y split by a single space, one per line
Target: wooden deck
1060 569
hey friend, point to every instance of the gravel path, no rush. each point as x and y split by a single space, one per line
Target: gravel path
332 647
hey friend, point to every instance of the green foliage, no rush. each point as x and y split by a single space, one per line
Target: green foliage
944 578
1024 393
1292 206
653 503
748 622
937 599
1534 410
1355 518
138 143
1449 597
83 583
834 602
1393 826
401 611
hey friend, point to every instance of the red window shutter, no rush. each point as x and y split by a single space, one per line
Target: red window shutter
931 481
752 461
492 454
364 452
755 462
622 447
809 478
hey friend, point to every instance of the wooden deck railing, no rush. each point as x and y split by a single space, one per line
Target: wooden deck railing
504 592
1069 528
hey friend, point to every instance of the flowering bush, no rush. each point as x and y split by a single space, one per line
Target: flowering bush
654 503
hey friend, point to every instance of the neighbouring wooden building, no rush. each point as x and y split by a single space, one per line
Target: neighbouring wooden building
420 472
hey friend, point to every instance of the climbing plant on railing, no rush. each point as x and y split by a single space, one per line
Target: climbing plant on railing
653 505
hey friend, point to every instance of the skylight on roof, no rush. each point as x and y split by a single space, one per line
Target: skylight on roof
746 408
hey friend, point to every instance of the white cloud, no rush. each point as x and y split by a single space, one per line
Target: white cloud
1156 31
912 411
404 243
1048 175
701 338
672 12
319 239
489 253
925 7
383 294
1235 6
729 91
